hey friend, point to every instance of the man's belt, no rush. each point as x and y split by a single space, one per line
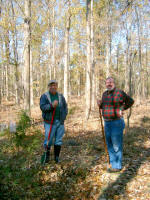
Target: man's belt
109 120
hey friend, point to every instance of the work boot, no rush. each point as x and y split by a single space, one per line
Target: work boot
47 155
57 149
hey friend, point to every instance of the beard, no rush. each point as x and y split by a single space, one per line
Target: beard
110 88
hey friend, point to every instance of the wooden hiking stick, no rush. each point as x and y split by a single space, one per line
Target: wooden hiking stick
103 133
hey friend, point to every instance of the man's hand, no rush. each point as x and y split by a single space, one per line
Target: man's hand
55 103
99 102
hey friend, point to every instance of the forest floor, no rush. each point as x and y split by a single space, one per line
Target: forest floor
82 173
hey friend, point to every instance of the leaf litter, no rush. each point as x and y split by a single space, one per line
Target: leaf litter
82 173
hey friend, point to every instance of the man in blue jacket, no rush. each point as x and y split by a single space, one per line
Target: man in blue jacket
49 101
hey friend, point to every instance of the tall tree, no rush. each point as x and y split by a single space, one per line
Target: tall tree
49 38
66 55
54 41
92 57
109 37
27 38
88 68
15 55
140 78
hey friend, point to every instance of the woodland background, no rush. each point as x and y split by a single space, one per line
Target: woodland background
79 43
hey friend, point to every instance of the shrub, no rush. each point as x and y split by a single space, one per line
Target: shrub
23 124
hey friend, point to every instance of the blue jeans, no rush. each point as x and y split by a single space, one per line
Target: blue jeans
57 132
114 140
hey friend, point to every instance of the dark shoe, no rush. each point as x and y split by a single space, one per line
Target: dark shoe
57 159
47 155
57 149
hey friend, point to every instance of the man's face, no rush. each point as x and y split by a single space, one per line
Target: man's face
110 85
53 88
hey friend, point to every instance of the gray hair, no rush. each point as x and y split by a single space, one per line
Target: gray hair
110 77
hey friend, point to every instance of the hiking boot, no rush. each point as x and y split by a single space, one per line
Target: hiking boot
57 149
47 155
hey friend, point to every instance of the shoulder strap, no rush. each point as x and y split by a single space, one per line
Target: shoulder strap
48 96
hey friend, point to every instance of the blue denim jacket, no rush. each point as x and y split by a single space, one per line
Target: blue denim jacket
47 109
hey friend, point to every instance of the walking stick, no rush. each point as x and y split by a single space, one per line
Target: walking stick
43 157
106 150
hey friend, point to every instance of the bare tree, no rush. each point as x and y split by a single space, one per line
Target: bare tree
131 61
88 68
66 67
27 33
31 78
108 42
92 57
140 81
54 43
49 35
16 59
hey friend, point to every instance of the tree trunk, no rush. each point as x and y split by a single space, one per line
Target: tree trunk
118 49
108 44
127 56
27 54
131 61
6 82
54 45
7 59
107 59
1 82
0 94
31 79
88 69
79 83
15 53
49 46
140 82
66 67
127 63
92 57
147 72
